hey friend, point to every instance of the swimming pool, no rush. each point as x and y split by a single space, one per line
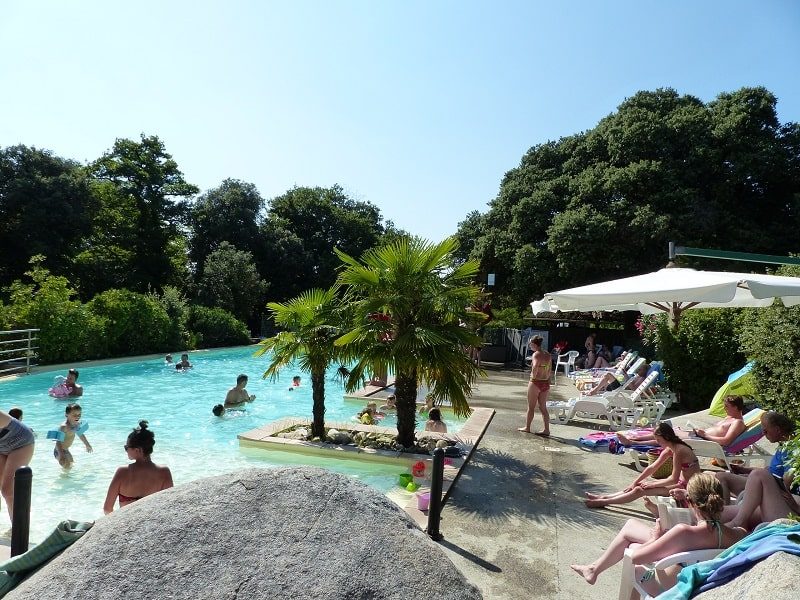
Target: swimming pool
189 439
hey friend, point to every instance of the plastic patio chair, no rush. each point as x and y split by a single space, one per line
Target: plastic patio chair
567 360
628 581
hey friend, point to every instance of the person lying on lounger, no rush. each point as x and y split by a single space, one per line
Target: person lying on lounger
611 381
777 429
684 461
724 432
705 497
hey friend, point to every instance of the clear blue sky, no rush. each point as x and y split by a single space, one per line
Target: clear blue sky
419 107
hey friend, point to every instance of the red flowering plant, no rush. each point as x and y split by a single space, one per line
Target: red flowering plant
647 326
559 347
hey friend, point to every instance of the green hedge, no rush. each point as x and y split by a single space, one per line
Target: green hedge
700 355
133 323
772 339
215 327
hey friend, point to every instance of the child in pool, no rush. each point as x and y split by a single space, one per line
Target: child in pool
69 428
295 383
426 408
370 414
391 403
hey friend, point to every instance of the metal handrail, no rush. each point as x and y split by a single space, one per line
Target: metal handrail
24 353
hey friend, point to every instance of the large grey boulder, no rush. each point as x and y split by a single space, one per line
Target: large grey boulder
260 533
775 578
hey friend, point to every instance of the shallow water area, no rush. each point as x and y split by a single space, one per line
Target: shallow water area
177 405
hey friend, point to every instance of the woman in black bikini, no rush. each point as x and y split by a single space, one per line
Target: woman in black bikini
143 477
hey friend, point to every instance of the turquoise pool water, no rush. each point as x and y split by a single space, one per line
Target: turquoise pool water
189 439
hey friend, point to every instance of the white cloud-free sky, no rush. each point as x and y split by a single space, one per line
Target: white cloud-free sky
419 107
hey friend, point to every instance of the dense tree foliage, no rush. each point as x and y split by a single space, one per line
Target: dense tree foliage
664 167
324 219
147 177
230 281
771 337
228 213
45 209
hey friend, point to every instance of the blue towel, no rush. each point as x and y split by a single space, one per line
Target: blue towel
691 578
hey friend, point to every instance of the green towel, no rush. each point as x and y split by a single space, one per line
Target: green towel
15 569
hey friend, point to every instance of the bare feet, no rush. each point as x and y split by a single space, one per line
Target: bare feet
623 439
651 506
585 571
524 430
594 503
593 496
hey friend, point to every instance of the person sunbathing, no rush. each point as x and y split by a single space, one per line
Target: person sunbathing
723 432
766 498
777 429
611 381
705 498
684 465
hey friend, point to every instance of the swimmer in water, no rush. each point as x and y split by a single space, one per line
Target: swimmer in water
295 383
69 428
238 395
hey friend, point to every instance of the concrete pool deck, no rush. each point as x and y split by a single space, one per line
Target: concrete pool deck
516 521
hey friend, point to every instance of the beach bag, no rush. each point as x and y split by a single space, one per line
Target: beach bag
665 470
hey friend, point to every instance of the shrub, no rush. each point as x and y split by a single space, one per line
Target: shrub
215 327
177 308
772 339
700 355
134 323
67 331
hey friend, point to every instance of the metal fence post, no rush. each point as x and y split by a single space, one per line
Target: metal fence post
435 506
21 521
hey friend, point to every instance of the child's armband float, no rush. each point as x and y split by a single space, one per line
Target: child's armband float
55 434
84 427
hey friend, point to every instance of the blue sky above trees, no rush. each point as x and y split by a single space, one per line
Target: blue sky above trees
417 107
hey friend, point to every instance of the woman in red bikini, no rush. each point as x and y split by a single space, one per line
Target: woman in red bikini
538 386
143 477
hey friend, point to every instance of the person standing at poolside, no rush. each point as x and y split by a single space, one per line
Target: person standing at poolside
538 386
16 450
70 428
238 395
142 478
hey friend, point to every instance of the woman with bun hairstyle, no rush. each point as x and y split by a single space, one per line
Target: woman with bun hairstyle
704 494
141 478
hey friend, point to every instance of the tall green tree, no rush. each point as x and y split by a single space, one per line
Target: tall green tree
324 219
312 323
230 281
228 213
45 209
146 174
663 167
107 257
408 301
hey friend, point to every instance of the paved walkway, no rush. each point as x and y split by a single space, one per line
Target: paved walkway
516 520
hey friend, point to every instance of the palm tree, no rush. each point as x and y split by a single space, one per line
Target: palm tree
409 301
311 322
